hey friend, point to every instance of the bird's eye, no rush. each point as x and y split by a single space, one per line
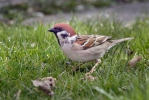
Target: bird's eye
59 29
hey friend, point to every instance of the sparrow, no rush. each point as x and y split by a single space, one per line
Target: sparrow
83 48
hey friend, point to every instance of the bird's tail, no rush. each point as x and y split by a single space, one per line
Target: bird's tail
121 40
114 42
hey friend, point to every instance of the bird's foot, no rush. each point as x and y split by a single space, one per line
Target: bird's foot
90 72
89 77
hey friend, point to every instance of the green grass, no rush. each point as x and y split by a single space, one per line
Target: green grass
31 52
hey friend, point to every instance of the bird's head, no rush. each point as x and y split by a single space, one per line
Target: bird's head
59 28
62 31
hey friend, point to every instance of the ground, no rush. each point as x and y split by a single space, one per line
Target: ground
127 13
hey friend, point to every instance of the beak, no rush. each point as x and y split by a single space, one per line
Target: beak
51 30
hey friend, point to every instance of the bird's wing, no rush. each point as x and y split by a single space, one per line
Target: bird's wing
88 41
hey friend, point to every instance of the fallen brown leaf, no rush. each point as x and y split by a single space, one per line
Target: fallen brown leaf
134 60
45 84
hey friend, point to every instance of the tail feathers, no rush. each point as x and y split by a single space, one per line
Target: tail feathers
114 42
121 40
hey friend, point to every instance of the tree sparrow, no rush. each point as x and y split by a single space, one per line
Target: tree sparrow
83 48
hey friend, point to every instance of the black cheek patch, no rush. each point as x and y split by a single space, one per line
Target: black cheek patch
64 35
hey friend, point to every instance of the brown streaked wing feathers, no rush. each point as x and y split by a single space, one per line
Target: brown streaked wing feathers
87 41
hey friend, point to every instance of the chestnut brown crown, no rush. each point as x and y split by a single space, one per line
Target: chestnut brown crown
64 27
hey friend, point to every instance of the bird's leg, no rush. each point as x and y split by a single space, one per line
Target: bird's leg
76 67
93 68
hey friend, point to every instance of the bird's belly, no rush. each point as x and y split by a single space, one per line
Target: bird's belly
81 55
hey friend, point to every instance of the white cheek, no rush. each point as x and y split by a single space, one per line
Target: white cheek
59 35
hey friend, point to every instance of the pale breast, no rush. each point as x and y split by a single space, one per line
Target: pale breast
74 53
